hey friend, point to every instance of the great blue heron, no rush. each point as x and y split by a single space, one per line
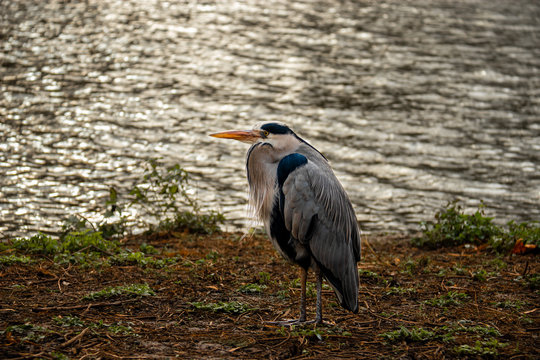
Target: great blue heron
305 210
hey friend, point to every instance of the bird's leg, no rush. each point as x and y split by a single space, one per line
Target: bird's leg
318 316
303 279
302 319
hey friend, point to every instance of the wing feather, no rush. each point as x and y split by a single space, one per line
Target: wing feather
319 215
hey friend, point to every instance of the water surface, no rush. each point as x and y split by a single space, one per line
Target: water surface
415 103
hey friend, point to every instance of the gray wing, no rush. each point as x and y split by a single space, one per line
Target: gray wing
319 214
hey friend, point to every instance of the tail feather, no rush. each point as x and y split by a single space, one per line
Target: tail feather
345 286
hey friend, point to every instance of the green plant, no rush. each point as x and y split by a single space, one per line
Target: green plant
308 332
112 225
410 335
212 255
454 227
481 348
87 240
413 266
165 198
263 278
6 260
532 281
37 244
131 290
368 274
83 247
148 249
459 270
232 307
26 332
396 290
509 304
481 330
526 232
480 275
449 299
59 356
74 321
252 288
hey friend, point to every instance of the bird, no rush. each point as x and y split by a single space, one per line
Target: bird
306 212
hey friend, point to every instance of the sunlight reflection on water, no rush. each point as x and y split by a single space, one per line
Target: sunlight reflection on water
414 104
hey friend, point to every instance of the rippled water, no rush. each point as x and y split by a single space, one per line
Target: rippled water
415 103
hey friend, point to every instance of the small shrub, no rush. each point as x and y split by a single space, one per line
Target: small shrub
525 232
88 240
454 227
165 197
37 244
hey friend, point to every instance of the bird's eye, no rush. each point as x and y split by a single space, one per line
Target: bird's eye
265 133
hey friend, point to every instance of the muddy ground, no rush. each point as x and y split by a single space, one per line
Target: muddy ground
44 312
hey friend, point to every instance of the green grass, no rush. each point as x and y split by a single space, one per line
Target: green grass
481 348
252 288
452 298
27 332
37 244
509 304
368 274
164 197
75 321
396 290
412 267
263 278
140 259
6 260
69 321
131 290
232 307
480 330
80 241
446 334
532 281
414 334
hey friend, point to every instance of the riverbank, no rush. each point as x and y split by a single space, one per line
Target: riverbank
211 296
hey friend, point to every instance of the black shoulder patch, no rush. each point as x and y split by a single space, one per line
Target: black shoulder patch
275 128
288 164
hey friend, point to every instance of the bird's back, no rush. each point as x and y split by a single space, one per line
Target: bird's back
313 221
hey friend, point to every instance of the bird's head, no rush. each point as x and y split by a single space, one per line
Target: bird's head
278 135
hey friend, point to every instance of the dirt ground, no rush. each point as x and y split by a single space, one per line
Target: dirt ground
44 312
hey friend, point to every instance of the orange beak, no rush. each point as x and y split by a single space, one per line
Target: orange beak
247 136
